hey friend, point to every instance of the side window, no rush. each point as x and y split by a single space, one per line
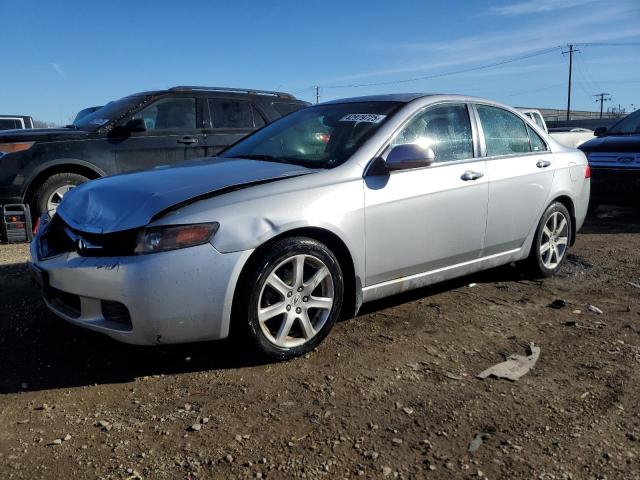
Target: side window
258 121
537 144
227 113
504 132
169 114
446 129
10 123
538 120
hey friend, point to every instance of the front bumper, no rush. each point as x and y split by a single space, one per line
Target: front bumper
171 297
617 186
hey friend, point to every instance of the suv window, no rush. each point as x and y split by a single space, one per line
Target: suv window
11 123
538 119
504 132
169 114
446 129
228 113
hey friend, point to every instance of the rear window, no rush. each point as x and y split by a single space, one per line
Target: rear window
504 132
286 108
230 113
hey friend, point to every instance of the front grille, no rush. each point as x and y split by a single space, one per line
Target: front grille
59 238
67 303
116 312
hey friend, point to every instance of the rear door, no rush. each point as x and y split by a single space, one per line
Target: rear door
520 170
171 135
230 119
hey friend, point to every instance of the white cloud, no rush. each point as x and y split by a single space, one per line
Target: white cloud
538 6
615 23
58 68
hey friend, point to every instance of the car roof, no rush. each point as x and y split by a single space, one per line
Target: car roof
226 91
409 97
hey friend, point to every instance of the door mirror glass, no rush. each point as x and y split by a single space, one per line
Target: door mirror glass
135 125
600 131
410 155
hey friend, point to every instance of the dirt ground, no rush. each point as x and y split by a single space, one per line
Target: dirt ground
392 393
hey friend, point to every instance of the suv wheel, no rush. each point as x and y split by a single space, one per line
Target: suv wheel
551 242
48 196
295 293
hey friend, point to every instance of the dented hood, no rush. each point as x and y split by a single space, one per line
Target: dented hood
132 200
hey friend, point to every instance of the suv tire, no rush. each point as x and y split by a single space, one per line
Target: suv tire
50 193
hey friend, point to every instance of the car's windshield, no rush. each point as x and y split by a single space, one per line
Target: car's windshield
322 136
110 112
630 124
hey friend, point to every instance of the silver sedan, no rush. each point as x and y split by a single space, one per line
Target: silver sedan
308 218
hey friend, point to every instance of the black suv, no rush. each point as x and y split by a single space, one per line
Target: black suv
140 131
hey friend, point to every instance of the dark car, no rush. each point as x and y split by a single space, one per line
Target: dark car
12 122
614 157
144 130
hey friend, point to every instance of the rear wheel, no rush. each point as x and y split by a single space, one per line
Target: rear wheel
551 242
48 196
295 293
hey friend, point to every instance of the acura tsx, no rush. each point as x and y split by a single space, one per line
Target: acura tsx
301 222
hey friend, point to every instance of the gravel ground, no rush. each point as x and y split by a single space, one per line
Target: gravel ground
392 393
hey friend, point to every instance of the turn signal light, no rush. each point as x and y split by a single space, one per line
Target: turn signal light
6 148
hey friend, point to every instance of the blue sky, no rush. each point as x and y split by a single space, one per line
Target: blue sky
59 57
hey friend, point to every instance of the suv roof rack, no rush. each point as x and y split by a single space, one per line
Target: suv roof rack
191 88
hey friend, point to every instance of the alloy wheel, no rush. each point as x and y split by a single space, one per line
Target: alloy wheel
554 240
53 202
295 300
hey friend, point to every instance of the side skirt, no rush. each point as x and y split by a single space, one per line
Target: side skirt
399 285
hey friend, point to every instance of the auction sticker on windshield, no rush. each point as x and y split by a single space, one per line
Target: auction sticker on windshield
363 117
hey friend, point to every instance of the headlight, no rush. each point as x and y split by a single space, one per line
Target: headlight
6 148
172 237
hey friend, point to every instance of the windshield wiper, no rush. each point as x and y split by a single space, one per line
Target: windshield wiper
74 127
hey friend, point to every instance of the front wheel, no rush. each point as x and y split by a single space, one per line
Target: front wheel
295 292
551 242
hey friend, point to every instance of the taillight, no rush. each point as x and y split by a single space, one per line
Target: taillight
587 171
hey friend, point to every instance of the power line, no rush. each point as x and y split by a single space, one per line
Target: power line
446 74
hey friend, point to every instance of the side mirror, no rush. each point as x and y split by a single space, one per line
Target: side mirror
600 131
135 125
410 155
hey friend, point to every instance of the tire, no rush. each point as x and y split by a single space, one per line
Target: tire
51 191
549 248
293 326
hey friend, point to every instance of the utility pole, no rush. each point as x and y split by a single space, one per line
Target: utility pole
570 52
602 97
317 95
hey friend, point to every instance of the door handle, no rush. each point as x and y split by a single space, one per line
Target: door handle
543 163
471 175
188 140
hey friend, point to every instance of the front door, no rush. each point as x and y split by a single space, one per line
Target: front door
425 219
520 170
172 135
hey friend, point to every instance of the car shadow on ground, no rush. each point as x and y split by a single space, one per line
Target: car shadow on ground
38 351
609 219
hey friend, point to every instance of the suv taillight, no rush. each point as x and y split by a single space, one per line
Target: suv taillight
587 172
